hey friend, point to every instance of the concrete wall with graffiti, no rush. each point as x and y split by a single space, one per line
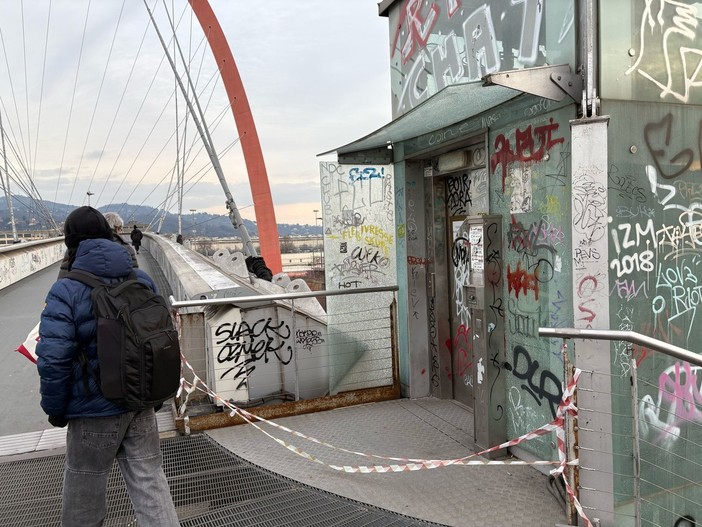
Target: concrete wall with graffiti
360 247
263 354
20 261
436 43
358 207
530 189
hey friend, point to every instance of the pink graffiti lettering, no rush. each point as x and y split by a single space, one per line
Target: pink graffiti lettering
586 291
682 392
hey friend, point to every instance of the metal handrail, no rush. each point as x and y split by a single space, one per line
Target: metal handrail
283 296
627 336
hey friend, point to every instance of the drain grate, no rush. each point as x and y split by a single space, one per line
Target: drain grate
210 487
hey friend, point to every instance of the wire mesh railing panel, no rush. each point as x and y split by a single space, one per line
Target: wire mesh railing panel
646 450
669 408
656 449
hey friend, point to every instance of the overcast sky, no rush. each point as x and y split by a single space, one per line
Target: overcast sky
88 103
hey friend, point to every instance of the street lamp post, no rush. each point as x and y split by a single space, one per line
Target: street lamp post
89 194
321 255
315 224
192 220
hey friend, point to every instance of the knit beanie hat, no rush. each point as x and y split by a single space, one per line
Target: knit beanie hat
85 223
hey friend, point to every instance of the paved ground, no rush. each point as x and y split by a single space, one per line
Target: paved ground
21 305
475 496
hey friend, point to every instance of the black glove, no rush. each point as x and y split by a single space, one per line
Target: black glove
59 421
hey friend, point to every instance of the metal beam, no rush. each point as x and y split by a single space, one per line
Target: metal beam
624 336
549 82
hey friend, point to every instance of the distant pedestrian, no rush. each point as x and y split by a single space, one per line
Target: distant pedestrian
99 431
136 237
179 239
115 221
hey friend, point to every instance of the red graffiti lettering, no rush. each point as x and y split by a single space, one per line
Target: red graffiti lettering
463 363
530 146
415 260
521 281
419 26
587 289
461 349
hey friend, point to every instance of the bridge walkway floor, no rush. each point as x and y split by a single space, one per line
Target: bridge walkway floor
239 476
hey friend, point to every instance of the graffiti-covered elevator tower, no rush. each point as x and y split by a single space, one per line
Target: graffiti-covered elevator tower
578 123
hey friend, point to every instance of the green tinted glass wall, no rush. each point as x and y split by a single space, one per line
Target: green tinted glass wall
651 50
655 248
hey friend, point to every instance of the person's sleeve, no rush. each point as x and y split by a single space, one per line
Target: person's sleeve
56 351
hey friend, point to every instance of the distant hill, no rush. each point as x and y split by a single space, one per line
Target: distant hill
28 216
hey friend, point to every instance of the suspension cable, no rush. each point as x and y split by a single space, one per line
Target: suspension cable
234 215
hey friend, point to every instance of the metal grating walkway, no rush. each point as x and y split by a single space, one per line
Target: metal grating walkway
210 486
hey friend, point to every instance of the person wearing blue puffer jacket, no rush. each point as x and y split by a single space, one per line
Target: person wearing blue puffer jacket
99 431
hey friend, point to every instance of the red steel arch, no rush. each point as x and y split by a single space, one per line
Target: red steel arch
248 137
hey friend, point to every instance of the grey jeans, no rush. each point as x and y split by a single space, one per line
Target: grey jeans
92 444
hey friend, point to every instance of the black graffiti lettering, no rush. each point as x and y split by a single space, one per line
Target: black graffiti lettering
498 411
243 344
658 147
435 365
625 185
358 265
350 284
543 270
459 252
549 387
497 308
458 194
308 338
242 373
348 218
685 521
370 256
528 241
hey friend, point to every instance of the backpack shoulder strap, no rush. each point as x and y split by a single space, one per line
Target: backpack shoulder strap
85 277
92 281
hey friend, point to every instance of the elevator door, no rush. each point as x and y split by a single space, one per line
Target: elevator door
467 194
461 341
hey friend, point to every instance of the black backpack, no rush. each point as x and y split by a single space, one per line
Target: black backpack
137 346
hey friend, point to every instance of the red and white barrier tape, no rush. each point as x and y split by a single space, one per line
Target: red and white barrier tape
567 406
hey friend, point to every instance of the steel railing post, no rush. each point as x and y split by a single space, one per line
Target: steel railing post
294 347
571 439
636 444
